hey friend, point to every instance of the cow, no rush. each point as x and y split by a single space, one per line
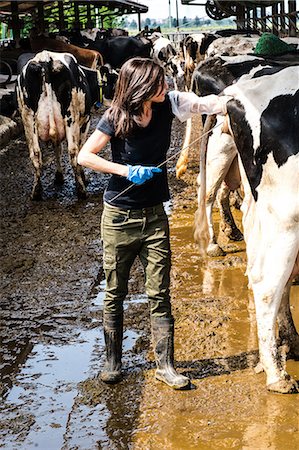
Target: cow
263 121
102 33
117 50
55 100
196 47
165 54
86 57
193 48
232 46
211 77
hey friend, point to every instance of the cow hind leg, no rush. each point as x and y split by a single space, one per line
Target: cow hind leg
287 333
267 280
79 173
37 189
36 159
227 225
73 140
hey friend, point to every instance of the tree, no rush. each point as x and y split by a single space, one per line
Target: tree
147 22
174 22
185 21
133 24
196 21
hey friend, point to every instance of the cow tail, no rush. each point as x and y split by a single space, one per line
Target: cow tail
52 124
201 232
182 162
50 101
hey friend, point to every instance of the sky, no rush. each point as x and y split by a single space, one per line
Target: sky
159 9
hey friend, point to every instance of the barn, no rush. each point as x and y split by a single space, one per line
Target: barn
52 259
277 17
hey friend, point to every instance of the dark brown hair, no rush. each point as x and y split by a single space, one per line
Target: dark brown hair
139 80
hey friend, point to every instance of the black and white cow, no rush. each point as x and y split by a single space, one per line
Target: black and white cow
263 120
232 46
198 46
211 77
117 50
55 99
165 54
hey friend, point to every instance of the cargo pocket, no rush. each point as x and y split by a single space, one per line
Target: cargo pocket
109 266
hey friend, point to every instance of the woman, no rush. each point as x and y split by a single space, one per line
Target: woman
134 223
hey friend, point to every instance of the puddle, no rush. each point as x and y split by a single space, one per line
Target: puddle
216 343
42 399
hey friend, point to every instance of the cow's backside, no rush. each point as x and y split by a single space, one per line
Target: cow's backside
55 103
264 121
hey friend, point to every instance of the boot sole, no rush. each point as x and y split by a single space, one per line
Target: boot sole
177 387
112 379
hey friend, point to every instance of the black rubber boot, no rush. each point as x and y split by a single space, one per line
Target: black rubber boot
162 334
113 333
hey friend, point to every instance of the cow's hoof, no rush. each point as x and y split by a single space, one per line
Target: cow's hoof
259 368
59 179
181 170
285 386
214 250
234 234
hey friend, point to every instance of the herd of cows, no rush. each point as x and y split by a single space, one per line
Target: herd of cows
256 146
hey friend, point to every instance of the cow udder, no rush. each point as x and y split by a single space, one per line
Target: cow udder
49 120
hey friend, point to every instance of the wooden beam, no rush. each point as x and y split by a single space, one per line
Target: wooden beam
282 18
263 21
77 16
40 17
292 18
254 17
15 22
61 15
240 14
275 19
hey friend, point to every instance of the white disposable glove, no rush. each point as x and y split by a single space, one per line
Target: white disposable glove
185 104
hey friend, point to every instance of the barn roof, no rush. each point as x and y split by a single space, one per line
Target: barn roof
127 6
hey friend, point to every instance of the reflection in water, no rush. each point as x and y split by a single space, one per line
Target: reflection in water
273 430
216 342
216 278
45 394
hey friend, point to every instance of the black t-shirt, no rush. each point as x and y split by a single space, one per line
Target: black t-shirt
146 146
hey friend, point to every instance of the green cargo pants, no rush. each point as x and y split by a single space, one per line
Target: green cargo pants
130 233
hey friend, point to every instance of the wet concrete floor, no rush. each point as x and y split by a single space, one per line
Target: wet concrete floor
52 341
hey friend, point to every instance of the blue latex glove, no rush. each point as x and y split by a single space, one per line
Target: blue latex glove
140 174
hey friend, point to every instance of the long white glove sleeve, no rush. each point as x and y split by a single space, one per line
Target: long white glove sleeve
185 104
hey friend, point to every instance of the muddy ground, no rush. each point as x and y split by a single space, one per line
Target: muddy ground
52 342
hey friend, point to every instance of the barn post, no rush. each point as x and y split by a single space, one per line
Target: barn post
240 14
61 16
282 18
292 18
15 25
77 16
275 19
263 18
248 18
88 13
41 17
254 17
